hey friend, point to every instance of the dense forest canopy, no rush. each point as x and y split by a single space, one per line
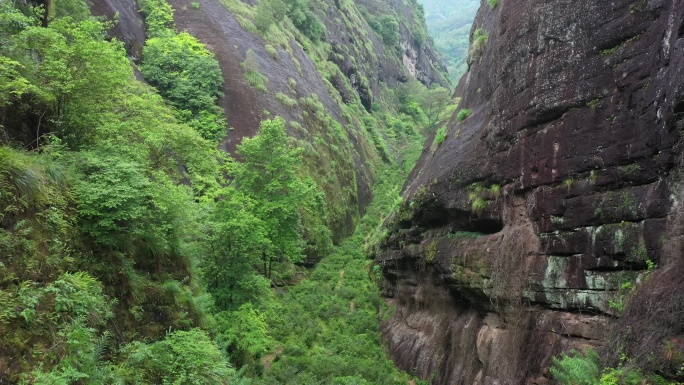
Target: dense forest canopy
133 251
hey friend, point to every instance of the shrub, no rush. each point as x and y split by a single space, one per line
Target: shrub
158 17
184 71
304 20
252 75
195 5
440 135
271 50
463 114
576 368
269 12
388 29
480 38
183 357
493 3
113 196
187 75
286 100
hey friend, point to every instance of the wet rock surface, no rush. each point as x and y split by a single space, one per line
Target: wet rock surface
560 187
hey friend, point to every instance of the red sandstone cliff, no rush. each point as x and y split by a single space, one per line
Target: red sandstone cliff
519 233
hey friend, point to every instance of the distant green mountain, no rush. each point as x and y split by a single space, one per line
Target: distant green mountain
448 22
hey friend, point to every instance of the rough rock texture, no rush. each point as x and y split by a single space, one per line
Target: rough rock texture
520 232
358 69
419 56
130 27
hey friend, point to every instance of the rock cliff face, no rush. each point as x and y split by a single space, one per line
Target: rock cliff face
520 234
318 92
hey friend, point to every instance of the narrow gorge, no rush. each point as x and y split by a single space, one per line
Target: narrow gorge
288 192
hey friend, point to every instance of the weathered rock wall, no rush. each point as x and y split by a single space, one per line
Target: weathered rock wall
520 231
130 26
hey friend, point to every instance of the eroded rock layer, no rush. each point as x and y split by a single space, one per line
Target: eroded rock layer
521 234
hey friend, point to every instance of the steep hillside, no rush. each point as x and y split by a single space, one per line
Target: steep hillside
550 216
349 70
448 23
170 172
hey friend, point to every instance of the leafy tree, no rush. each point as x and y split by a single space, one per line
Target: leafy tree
189 77
158 17
113 196
270 176
77 10
388 29
75 74
433 102
12 83
235 247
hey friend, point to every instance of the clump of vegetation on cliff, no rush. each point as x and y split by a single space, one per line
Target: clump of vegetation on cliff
578 368
184 72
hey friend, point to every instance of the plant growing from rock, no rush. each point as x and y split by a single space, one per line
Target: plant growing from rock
479 196
286 100
480 38
463 114
252 75
477 201
440 135
576 368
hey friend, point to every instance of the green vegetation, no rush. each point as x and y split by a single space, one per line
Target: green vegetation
594 102
271 51
387 27
493 3
188 76
100 230
440 136
480 196
477 45
578 368
286 100
158 17
184 72
463 114
449 23
252 75
612 50
567 183
132 251
327 325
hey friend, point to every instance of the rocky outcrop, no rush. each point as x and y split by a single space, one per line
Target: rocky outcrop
523 232
130 26
419 56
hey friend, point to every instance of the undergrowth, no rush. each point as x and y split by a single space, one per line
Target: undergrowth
327 326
